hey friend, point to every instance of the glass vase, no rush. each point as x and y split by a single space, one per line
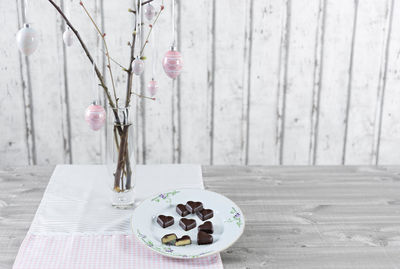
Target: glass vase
120 157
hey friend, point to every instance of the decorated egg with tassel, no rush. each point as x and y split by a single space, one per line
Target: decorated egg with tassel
149 12
172 63
137 66
152 87
27 40
95 116
68 37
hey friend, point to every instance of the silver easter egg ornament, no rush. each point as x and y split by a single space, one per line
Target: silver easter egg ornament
149 12
68 37
137 66
27 40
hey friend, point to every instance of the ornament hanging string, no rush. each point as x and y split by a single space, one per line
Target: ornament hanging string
68 9
94 86
140 41
99 96
139 27
173 23
26 3
153 46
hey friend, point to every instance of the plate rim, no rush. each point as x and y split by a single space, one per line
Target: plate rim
242 228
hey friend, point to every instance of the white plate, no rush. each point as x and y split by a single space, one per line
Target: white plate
228 222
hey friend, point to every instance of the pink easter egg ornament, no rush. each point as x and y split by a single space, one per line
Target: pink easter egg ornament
95 116
152 87
172 63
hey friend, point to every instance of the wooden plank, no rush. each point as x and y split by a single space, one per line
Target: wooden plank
86 144
27 94
195 99
158 114
47 83
144 80
176 91
229 85
299 81
247 72
211 55
318 71
382 83
264 77
389 137
282 82
21 192
246 81
334 80
368 52
14 146
64 98
234 118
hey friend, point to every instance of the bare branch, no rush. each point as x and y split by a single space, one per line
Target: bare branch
83 45
151 28
117 63
102 35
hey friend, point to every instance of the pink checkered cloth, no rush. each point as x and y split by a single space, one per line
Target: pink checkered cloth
76 227
99 251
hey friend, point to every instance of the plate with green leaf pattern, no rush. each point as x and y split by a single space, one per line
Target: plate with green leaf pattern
228 223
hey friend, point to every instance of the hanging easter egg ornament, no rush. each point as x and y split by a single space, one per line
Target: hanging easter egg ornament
138 67
149 12
152 87
68 37
172 63
27 40
95 116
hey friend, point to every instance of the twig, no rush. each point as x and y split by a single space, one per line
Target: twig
117 63
146 2
151 28
130 74
143 96
132 58
83 45
102 35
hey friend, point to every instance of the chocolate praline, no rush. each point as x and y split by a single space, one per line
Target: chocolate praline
181 210
192 207
205 214
165 221
183 241
187 224
169 239
204 238
206 227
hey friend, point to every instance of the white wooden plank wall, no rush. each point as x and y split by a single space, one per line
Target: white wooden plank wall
264 82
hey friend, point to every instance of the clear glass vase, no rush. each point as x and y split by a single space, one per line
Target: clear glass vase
120 157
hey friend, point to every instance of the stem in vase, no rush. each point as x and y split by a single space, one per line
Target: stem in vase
122 160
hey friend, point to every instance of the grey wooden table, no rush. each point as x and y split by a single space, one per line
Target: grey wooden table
296 217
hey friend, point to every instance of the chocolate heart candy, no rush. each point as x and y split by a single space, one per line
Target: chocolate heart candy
187 224
165 221
192 207
169 239
181 210
205 214
204 238
206 227
183 241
